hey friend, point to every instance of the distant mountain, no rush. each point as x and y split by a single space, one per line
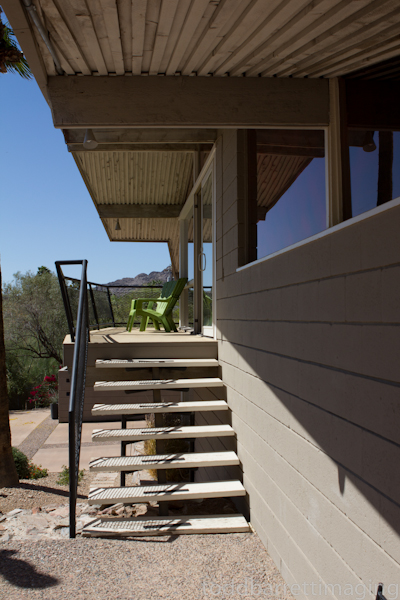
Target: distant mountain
141 279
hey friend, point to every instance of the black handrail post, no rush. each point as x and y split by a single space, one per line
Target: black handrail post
110 303
77 396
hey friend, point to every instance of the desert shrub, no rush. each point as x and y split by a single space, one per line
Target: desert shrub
21 463
63 478
25 468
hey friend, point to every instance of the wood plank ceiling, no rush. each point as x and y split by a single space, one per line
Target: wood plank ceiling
237 38
299 38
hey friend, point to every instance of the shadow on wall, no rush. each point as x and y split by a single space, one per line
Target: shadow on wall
338 429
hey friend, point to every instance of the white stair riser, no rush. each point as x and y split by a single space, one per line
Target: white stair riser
142 526
183 461
158 384
167 407
189 491
163 433
156 362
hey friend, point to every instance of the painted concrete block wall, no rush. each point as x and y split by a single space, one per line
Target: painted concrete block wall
309 343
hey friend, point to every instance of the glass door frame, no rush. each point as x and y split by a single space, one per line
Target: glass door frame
193 208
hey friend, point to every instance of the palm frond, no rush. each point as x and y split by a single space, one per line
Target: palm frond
12 59
21 67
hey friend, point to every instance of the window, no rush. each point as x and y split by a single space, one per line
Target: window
291 204
374 168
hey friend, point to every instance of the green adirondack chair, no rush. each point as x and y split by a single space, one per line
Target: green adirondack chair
159 310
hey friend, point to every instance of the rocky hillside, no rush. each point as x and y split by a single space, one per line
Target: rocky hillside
141 279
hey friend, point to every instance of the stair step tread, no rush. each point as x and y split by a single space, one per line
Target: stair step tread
171 491
158 384
164 461
136 435
132 363
235 523
158 407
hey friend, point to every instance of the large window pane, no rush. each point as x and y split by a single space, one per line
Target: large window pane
374 163
291 203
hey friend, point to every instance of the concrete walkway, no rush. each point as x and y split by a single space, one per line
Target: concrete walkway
23 422
52 453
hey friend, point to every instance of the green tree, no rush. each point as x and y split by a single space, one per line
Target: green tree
34 318
11 60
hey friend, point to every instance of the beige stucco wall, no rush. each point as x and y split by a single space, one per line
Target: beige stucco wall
309 343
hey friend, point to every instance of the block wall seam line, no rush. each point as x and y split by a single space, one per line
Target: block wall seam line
318 279
321 365
356 475
268 543
304 322
300 551
325 410
315 491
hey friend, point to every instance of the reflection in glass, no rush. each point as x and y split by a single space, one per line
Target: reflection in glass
374 168
291 204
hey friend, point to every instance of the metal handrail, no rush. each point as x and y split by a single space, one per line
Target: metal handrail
97 321
78 382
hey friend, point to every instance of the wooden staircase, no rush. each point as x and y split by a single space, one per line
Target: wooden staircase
162 491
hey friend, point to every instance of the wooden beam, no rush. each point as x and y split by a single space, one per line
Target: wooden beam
141 148
139 211
237 102
290 150
144 136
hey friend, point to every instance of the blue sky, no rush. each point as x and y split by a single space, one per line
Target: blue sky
46 213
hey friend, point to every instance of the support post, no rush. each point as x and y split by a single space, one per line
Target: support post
198 275
183 272
338 186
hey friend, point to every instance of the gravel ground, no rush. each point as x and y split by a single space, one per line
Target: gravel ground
229 567
177 567
31 493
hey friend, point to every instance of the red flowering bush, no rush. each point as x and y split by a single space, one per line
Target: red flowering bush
45 393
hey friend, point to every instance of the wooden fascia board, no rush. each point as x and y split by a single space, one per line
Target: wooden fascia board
22 29
142 148
144 211
144 136
204 102
139 211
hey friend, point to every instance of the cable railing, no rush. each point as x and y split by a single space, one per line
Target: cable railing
78 381
109 305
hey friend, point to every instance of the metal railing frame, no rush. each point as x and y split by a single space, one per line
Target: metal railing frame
78 382
94 287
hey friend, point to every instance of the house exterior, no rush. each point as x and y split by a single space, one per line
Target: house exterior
206 114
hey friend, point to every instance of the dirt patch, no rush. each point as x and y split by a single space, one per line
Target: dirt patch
31 493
